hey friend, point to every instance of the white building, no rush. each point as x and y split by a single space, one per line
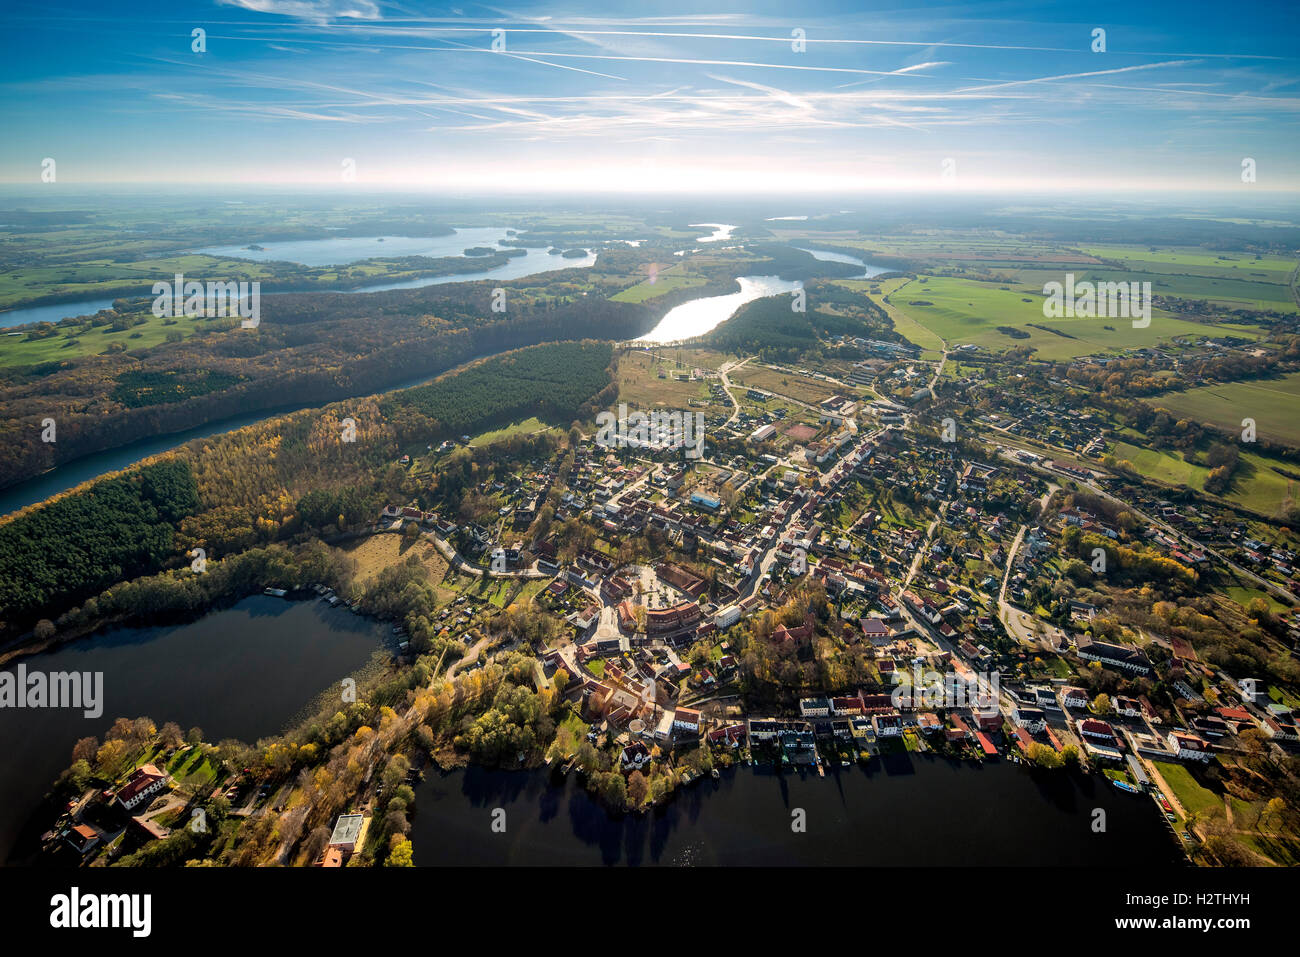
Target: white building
1188 746
726 617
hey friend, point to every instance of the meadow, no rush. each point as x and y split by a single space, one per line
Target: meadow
1272 403
907 327
668 280
1234 280
1255 485
963 311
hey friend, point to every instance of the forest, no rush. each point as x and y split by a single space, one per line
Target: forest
772 329
309 349
274 481
551 381
75 546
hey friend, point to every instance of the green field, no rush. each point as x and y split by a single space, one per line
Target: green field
1236 280
1190 795
665 283
911 330
962 311
1272 403
69 342
526 427
1199 261
1255 484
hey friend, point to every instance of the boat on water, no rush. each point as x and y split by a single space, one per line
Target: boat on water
1125 786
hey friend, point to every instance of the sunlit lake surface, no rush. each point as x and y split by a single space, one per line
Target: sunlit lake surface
61 310
720 232
342 250
535 262
699 316
826 256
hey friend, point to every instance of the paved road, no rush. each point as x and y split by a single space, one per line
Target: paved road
461 564
921 552
1272 587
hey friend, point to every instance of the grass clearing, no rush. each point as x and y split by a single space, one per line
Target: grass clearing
527 426
1190 794
963 311
1255 484
1272 403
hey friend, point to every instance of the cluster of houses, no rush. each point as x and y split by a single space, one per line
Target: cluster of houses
133 797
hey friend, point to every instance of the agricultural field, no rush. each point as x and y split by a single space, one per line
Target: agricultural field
931 344
669 280
1197 261
1255 484
954 249
963 311
1272 403
1232 280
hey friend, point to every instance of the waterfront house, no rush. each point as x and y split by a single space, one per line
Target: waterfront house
144 782
1032 720
887 725
686 720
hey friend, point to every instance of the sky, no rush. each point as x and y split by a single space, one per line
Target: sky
712 98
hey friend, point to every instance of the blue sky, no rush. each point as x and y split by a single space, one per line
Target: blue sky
656 97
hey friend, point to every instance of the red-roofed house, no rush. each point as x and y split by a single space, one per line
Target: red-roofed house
144 782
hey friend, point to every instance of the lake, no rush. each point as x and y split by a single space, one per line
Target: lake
343 251
243 672
826 256
61 310
699 316
907 810
536 261
720 232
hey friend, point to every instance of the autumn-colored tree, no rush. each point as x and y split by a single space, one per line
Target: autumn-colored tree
401 853
637 789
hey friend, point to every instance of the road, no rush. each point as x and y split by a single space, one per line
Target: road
943 360
726 387
1020 625
626 489
1272 587
920 553
461 564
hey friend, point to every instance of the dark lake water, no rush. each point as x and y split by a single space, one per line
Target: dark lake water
908 810
243 672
